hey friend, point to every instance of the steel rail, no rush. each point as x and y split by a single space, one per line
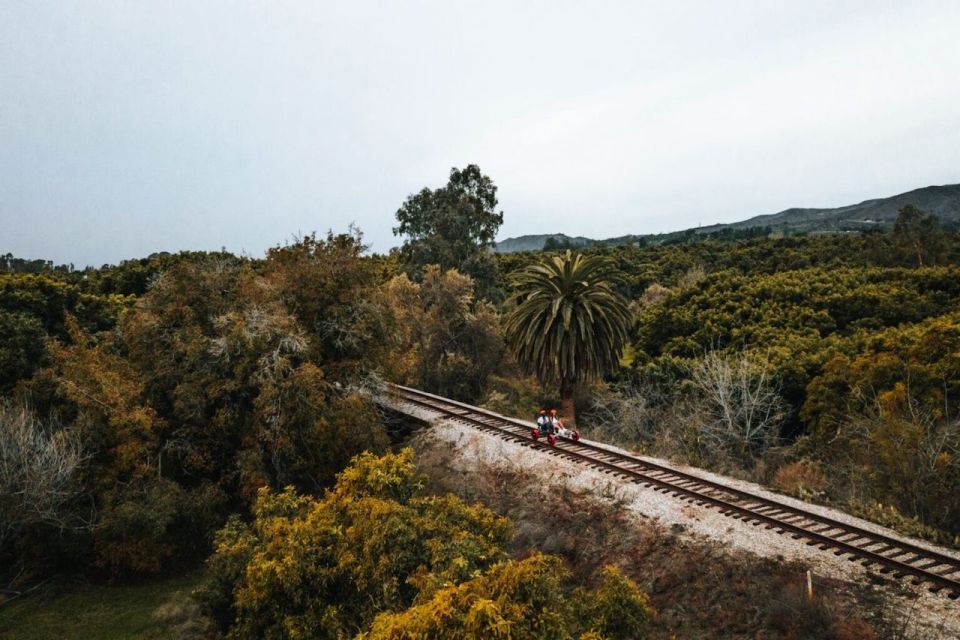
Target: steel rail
704 491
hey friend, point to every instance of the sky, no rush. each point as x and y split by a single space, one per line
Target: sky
128 128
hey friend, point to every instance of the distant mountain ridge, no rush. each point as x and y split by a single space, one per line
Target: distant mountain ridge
942 201
536 242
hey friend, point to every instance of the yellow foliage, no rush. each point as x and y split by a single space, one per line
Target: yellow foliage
323 567
107 392
374 557
514 599
526 599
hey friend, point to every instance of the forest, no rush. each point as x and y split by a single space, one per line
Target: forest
203 407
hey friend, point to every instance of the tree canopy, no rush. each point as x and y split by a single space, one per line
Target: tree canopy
452 226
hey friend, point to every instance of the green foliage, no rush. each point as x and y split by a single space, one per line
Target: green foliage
525 599
668 265
34 306
518 600
21 348
801 318
227 375
135 277
220 380
569 324
150 520
376 557
330 289
159 609
554 243
729 309
860 347
917 238
11 264
239 379
137 509
444 341
105 396
618 609
892 410
858 331
922 355
889 516
452 227
513 394
48 298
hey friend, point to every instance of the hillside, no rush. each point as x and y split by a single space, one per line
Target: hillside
942 201
535 242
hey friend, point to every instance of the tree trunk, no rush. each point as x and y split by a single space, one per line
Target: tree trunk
567 410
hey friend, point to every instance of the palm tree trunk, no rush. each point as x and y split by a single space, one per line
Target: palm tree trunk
567 409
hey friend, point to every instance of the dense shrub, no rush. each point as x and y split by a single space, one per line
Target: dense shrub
222 379
21 348
894 412
861 349
378 557
34 306
526 599
225 375
326 567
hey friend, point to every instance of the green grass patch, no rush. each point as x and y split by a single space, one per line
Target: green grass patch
154 610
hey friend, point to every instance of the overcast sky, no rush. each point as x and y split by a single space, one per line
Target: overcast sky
133 127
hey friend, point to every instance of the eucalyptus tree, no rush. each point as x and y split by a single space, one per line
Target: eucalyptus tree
918 239
569 323
452 226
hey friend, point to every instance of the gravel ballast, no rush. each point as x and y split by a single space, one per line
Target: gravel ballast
473 449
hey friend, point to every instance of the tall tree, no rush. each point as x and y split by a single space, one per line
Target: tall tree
446 341
453 226
917 237
569 323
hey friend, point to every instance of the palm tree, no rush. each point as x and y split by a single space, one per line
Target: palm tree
569 323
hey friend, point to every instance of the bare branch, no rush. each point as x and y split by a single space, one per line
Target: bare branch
743 407
38 466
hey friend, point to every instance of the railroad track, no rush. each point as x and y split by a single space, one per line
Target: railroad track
889 556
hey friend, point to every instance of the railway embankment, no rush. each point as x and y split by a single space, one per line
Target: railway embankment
652 508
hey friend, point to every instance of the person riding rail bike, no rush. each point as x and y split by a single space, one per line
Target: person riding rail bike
543 421
551 426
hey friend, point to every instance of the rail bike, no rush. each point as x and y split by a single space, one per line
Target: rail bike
552 433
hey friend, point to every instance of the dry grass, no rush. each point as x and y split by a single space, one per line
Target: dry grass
802 479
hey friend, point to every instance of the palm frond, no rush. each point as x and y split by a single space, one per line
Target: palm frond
569 323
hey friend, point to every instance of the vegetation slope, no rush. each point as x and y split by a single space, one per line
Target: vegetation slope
160 410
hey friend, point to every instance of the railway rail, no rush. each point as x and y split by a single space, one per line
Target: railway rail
938 572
